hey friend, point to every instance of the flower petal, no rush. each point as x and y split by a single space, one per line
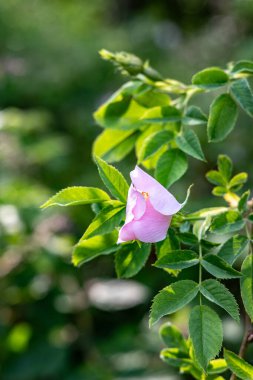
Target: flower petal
126 233
152 227
136 205
161 199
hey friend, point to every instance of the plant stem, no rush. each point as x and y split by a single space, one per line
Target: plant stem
200 271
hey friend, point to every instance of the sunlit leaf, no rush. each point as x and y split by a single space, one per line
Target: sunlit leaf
130 258
238 366
113 180
77 195
172 298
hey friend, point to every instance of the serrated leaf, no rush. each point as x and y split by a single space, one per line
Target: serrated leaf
210 77
174 357
77 195
242 94
228 222
238 179
225 166
243 66
216 292
173 337
130 259
113 180
113 144
189 143
88 249
172 298
232 248
222 118
216 178
247 285
219 267
171 166
238 366
153 143
105 221
179 259
206 334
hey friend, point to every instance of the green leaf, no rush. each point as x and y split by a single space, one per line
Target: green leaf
161 115
179 259
225 166
238 366
130 259
77 195
217 366
113 180
205 212
232 248
216 178
189 143
113 145
218 267
171 166
105 221
222 118
210 77
173 337
242 94
148 97
238 179
243 66
243 202
169 244
228 222
194 116
216 292
153 143
206 334
247 285
121 111
88 249
172 298
174 357
187 238
219 191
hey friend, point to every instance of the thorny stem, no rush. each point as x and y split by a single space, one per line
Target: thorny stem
248 328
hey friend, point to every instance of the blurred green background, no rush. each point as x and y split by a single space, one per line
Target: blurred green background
56 321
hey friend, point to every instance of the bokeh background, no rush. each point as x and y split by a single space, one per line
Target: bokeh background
56 321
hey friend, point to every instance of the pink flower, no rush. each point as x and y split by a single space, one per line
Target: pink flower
149 209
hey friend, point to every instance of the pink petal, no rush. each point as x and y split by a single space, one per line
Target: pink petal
136 205
152 227
161 199
126 233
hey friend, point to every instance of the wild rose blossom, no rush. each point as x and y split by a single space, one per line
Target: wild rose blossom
149 209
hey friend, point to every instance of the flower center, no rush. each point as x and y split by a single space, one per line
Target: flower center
145 194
